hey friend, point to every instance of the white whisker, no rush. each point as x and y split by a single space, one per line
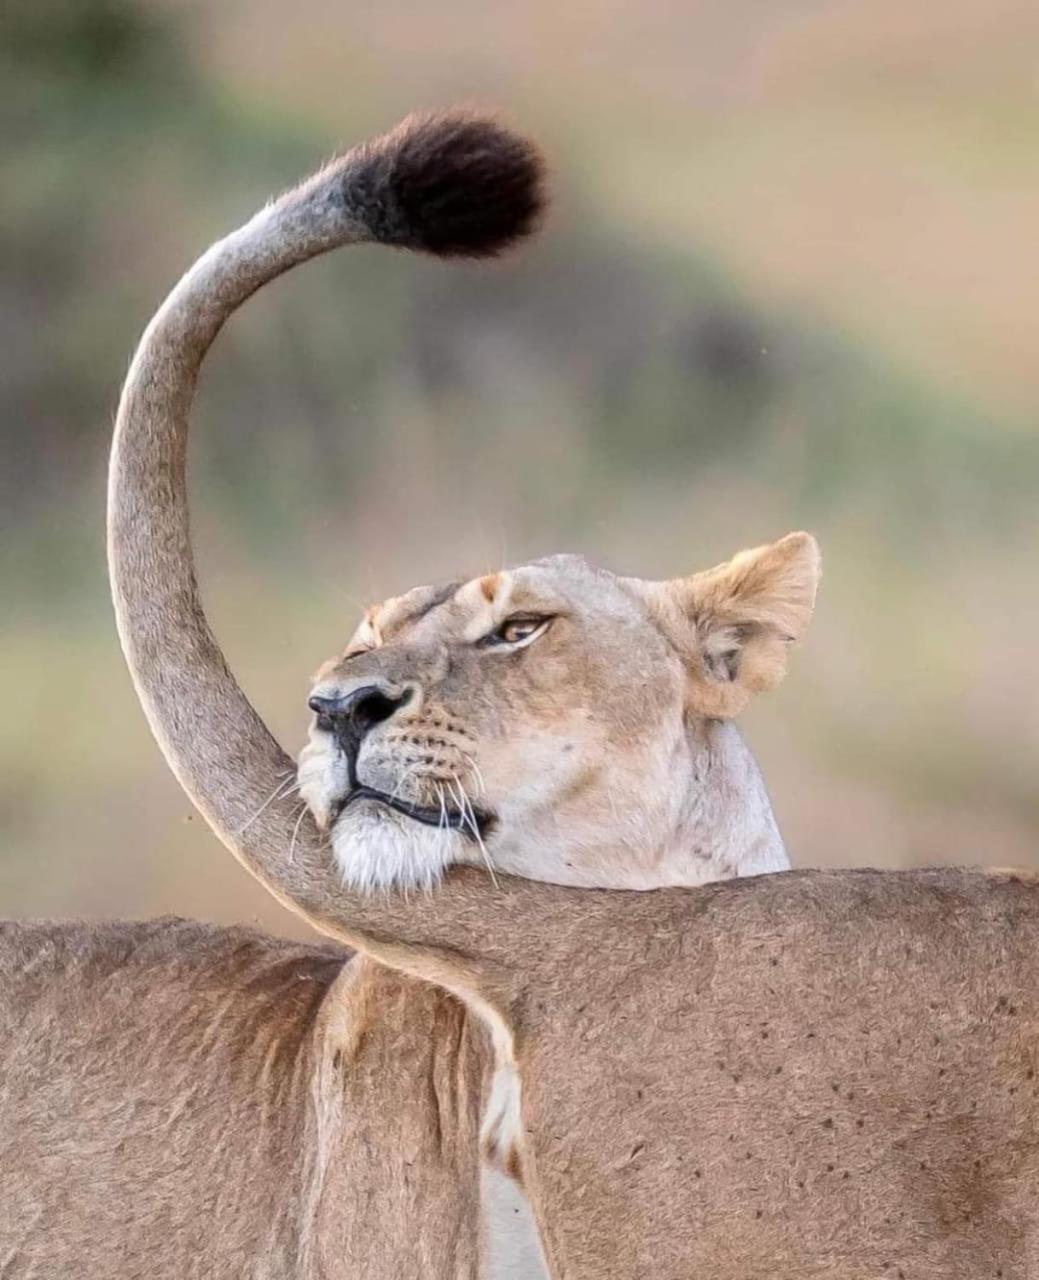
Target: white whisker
474 769
408 772
469 818
283 788
295 831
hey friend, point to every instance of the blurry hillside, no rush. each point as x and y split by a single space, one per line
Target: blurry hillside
785 286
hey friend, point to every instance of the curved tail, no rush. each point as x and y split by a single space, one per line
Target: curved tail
451 185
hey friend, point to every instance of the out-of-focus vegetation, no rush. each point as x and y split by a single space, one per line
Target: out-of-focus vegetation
657 383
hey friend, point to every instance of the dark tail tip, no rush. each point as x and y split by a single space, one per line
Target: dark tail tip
452 184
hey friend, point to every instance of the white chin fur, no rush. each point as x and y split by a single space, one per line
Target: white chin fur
377 848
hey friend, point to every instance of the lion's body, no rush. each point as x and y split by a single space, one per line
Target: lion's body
831 1076
806 1076
182 1100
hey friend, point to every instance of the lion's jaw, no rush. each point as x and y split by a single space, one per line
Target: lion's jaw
542 722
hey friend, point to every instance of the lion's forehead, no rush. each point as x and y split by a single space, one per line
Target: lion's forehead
452 608
462 603
468 607
393 615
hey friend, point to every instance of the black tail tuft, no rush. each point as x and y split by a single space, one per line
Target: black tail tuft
455 185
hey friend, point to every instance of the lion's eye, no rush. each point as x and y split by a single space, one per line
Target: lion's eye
517 631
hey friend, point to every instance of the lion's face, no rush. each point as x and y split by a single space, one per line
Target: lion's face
532 720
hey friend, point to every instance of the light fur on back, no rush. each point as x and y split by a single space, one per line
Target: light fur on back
783 1076
184 1100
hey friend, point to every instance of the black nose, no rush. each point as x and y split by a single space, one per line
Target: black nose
358 709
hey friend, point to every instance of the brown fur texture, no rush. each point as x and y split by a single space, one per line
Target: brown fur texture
183 1100
788 1076
809 1074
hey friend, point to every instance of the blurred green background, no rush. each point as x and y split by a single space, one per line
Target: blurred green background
788 282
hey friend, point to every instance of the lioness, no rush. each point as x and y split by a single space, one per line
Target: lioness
558 722
182 1100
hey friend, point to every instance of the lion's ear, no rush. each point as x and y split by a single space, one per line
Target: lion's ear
734 624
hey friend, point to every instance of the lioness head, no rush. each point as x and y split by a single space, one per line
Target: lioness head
559 722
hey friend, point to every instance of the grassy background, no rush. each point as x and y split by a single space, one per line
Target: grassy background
787 283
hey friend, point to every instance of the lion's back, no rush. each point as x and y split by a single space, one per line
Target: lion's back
134 1060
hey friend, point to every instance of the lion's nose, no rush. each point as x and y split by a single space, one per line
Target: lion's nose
357 709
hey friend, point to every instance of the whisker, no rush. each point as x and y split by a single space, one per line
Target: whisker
408 772
474 769
295 831
282 789
469 817
443 828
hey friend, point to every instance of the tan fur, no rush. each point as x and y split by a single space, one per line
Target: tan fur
797 1075
810 1074
184 1100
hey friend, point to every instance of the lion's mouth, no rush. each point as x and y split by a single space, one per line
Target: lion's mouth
473 823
